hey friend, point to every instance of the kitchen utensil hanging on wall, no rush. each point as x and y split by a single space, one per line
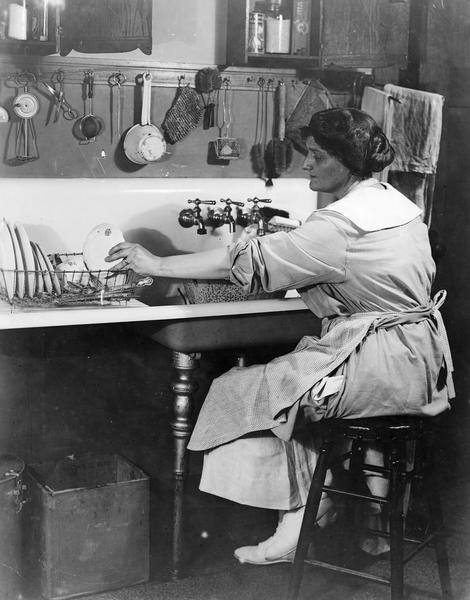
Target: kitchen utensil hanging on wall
25 107
89 126
227 147
279 150
208 81
145 143
184 114
267 158
257 150
116 80
4 116
62 107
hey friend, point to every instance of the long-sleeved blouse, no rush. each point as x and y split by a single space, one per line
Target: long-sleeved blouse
383 341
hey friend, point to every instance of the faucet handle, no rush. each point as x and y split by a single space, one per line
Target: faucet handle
255 200
228 202
197 202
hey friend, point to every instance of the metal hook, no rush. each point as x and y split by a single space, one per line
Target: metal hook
181 78
117 79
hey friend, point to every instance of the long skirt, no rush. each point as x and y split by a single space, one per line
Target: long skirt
262 470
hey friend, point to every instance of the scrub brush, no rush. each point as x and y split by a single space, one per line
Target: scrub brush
279 151
257 150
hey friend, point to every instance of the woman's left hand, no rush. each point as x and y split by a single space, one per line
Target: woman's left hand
132 256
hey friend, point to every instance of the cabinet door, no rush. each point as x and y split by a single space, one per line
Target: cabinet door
106 26
364 33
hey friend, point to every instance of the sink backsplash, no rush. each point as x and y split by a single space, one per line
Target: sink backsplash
58 213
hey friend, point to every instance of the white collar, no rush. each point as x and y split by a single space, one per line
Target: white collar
372 205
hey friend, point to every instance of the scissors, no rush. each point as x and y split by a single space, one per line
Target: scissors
56 89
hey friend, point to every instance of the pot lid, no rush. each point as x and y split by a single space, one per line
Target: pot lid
10 467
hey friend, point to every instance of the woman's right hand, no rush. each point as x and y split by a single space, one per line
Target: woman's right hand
132 256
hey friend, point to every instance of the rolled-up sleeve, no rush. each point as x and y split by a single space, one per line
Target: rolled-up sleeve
311 254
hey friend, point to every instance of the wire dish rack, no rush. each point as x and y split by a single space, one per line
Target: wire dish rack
58 285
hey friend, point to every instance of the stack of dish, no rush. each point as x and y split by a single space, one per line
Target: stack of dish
25 269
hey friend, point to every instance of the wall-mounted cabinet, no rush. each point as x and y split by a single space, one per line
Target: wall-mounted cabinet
294 25
83 25
30 29
322 33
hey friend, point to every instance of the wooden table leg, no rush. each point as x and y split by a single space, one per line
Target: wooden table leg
183 387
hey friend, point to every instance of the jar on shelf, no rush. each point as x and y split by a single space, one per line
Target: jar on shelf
256 31
277 28
18 20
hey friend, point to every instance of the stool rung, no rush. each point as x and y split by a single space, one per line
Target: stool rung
421 545
344 570
386 535
369 497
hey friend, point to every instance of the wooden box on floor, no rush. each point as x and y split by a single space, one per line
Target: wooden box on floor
86 526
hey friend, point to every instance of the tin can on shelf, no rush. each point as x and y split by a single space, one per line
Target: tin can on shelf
256 33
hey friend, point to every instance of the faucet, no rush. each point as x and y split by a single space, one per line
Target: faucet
254 215
192 216
219 217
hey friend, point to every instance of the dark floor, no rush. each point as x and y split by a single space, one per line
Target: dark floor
106 389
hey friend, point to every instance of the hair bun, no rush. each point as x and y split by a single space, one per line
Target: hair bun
380 153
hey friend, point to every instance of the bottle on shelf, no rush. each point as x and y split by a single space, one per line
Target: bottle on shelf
40 20
277 28
256 29
301 18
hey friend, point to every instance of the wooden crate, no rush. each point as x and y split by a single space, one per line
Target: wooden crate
85 526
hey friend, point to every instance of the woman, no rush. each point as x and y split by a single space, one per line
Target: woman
364 265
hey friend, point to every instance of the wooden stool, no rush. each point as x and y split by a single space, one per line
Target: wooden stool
393 434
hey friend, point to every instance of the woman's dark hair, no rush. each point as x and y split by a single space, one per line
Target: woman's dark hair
353 137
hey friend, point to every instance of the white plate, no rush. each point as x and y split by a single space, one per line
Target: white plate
20 274
7 261
28 259
45 275
97 245
40 272
50 269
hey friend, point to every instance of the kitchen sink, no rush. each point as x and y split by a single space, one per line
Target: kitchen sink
232 331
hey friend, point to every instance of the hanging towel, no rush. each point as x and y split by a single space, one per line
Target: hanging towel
376 103
416 129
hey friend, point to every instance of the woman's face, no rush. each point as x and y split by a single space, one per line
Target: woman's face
327 173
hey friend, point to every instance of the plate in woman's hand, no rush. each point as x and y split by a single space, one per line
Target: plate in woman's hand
97 245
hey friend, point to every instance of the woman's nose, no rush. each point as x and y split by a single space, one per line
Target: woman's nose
308 163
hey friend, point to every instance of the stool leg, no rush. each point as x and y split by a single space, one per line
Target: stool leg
396 519
349 537
308 522
437 524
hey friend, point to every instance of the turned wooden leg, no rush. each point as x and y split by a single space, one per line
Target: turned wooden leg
183 387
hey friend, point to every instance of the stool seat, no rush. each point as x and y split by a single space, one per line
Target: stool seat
376 428
395 435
